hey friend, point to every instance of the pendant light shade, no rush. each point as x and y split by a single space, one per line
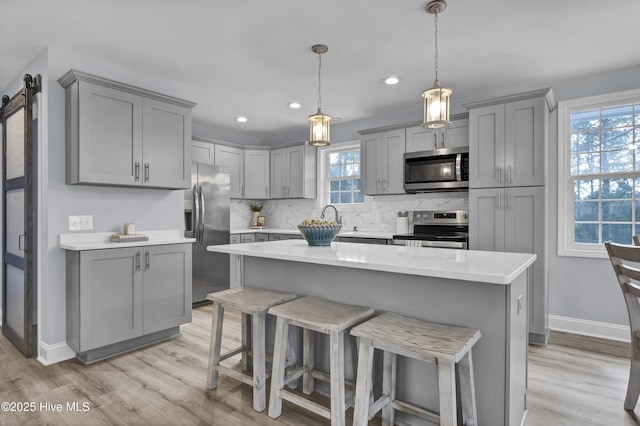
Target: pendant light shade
437 99
319 123
436 106
319 129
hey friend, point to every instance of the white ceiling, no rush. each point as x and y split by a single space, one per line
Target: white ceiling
250 57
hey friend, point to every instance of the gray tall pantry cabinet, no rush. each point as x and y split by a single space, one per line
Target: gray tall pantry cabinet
122 135
122 298
508 151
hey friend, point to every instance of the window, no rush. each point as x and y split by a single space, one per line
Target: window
599 172
344 177
341 176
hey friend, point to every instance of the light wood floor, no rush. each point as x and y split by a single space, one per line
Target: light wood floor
164 384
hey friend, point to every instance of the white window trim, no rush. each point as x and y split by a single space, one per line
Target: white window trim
323 181
566 246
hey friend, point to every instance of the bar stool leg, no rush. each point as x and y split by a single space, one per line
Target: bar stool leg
467 391
308 360
336 362
447 392
245 331
259 373
389 360
278 367
363 384
214 347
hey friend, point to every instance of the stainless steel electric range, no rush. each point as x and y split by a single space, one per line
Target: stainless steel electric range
439 228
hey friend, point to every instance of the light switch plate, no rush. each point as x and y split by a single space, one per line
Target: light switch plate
81 223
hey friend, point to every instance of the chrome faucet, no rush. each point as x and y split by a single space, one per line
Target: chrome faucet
338 218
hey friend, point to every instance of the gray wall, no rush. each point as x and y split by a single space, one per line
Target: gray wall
583 288
110 207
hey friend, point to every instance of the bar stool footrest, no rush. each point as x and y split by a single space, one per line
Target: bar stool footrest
405 407
232 352
238 375
305 403
292 375
378 405
327 379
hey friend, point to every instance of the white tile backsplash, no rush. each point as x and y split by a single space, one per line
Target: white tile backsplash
381 214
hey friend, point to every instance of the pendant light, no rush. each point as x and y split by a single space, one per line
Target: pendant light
319 122
436 100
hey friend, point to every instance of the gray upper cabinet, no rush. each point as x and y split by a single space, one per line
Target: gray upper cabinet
421 139
256 174
202 152
382 166
232 159
293 172
122 135
508 140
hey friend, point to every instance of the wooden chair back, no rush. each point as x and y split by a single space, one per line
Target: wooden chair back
626 265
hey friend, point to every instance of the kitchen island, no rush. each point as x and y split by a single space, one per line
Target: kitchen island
482 290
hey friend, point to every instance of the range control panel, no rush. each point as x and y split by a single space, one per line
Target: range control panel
435 217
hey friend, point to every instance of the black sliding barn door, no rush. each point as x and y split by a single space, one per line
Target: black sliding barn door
19 195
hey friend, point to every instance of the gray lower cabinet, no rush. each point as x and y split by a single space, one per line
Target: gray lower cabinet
122 298
260 237
121 135
513 220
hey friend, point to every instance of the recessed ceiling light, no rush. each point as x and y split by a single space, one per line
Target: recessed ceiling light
294 105
241 119
391 80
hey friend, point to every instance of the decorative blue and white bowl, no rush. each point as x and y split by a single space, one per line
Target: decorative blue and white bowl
320 235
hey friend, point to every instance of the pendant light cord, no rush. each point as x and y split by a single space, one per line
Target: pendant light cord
319 81
435 20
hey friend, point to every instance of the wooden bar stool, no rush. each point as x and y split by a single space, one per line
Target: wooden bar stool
443 345
249 301
322 316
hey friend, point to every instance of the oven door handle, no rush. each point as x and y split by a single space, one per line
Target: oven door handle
458 167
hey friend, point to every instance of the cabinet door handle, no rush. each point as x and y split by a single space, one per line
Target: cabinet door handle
442 143
21 242
509 175
137 171
287 191
499 174
384 185
147 265
146 172
242 191
137 261
500 201
435 141
266 191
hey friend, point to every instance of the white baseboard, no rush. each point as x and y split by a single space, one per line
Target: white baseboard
600 330
50 354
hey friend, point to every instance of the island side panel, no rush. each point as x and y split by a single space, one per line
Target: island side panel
470 304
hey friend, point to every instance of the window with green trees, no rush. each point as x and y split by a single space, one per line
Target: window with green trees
604 172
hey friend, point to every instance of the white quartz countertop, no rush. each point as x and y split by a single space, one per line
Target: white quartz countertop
102 240
290 231
467 265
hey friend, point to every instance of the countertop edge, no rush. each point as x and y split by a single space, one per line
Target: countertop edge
499 279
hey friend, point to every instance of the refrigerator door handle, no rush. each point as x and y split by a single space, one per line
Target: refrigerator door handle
195 220
202 211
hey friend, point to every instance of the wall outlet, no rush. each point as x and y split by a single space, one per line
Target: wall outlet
80 223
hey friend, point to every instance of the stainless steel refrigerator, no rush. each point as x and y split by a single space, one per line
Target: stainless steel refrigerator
207 220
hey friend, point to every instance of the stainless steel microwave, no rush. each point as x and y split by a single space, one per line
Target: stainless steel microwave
438 170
